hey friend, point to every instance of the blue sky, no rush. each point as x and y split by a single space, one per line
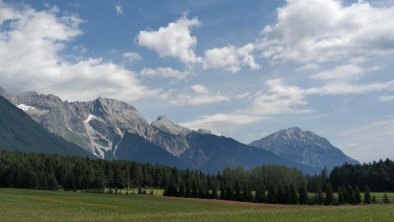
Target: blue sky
242 69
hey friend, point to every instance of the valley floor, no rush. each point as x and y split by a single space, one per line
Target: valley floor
34 205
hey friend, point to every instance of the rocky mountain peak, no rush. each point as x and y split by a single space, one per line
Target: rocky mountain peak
204 131
165 125
305 147
162 118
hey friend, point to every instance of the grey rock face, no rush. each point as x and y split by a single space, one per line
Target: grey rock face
169 136
304 147
97 125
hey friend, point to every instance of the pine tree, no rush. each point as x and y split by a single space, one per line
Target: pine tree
367 196
272 196
247 194
341 198
260 194
280 194
214 194
292 195
386 199
374 200
319 198
349 194
302 194
223 195
329 200
357 195
181 191
237 189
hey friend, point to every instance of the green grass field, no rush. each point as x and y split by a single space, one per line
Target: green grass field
33 205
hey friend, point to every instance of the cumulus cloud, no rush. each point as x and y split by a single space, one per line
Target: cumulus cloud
198 88
174 40
324 30
342 73
231 58
31 43
201 96
343 88
278 99
132 56
118 9
219 122
281 98
164 72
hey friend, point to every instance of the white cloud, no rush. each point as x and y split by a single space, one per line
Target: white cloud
165 72
230 58
198 100
345 72
132 56
30 59
175 40
370 142
343 88
198 88
118 9
325 30
340 72
278 99
221 122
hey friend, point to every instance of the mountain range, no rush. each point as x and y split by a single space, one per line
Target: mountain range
110 129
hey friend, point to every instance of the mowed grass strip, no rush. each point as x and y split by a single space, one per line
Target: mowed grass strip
34 205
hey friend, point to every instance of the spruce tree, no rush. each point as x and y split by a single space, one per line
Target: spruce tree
302 194
386 199
272 196
237 190
319 198
293 198
247 194
280 194
357 195
329 199
260 196
341 198
367 196
349 194
374 200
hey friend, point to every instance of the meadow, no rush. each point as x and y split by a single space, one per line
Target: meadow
37 205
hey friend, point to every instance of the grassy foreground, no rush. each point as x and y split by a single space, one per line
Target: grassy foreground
33 205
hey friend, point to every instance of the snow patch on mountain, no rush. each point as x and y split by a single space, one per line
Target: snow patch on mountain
89 118
25 107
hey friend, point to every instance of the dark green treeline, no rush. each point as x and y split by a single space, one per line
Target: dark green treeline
265 184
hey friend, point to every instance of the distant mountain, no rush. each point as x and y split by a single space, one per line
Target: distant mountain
18 132
112 129
304 147
210 152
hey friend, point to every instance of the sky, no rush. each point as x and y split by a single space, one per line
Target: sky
242 69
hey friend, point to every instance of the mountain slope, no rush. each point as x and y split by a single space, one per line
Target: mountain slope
93 125
134 147
303 147
211 152
18 132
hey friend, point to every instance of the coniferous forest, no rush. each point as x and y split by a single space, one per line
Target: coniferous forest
265 184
